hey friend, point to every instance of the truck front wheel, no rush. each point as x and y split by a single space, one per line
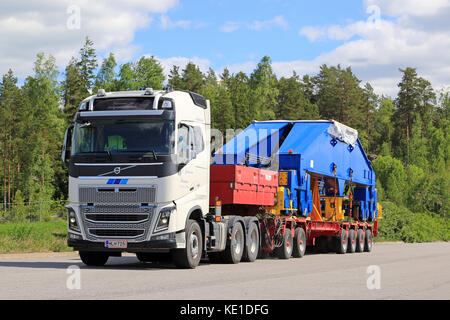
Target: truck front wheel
93 259
189 257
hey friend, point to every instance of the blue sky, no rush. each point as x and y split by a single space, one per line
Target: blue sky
374 37
205 39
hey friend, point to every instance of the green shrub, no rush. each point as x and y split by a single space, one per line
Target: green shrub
400 224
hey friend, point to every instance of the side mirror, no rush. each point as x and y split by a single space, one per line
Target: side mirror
67 146
181 166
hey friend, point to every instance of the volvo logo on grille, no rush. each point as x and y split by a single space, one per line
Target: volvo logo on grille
117 170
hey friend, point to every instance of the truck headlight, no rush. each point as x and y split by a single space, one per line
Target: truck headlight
72 220
164 219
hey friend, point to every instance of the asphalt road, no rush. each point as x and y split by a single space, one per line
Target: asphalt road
390 271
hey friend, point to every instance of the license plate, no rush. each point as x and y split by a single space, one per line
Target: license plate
116 244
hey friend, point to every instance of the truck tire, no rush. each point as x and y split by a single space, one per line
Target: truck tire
360 241
235 248
368 241
299 243
94 259
189 257
351 247
251 244
285 251
342 242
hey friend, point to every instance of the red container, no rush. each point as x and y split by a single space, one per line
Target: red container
234 184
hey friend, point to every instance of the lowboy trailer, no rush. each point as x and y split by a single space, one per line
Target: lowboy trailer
141 181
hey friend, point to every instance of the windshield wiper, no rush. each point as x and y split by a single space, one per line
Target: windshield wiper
140 151
108 153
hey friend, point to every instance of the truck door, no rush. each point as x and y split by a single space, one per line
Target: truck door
193 156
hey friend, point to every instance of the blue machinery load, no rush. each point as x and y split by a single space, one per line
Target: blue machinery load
320 163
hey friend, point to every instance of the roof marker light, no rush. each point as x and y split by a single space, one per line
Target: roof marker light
101 93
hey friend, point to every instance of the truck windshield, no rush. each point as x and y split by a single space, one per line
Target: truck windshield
108 136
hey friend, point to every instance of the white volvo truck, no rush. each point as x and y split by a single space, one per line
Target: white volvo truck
139 177
140 181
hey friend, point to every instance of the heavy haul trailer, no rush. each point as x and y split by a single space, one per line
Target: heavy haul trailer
140 181
325 193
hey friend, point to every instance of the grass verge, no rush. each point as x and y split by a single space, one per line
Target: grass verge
34 237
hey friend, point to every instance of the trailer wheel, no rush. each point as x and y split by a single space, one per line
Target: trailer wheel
299 243
360 240
94 259
368 241
342 242
189 257
285 251
251 244
351 248
235 248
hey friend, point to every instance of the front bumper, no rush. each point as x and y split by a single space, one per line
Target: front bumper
133 247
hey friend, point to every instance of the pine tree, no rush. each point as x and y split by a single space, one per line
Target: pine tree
175 81
149 73
263 84
406 105
87 64
106 76
79 79
192 78
45 132
240 96
292 103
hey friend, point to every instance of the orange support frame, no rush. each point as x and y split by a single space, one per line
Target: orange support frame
316 213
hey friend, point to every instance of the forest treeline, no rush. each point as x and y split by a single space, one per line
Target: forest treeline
407 135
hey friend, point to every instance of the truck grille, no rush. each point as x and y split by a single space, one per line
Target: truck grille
116 217
116 213
125 221
116 233
119 195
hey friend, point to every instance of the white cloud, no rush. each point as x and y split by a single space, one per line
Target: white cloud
27 28
278 21
257 25
167 23
413 33
168 63
246 67
230 26
409 7
313 33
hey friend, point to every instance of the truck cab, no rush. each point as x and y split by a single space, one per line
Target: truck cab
138 165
